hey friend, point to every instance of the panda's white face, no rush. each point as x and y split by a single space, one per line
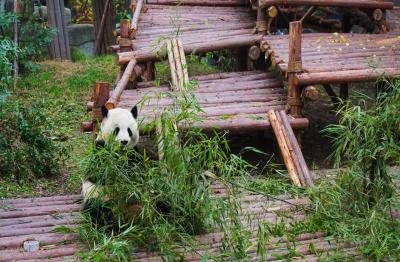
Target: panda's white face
122 123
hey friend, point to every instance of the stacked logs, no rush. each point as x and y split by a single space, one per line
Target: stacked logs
338 58
290 149
191 24
199 2
230 101
336 3
36 219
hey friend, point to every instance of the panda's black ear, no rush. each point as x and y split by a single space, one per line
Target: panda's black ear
134 112
104 111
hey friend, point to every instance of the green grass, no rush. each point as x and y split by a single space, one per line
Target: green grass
61 90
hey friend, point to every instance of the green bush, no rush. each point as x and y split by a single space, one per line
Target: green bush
25 149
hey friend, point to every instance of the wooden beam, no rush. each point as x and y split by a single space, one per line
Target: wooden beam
333 3
116 94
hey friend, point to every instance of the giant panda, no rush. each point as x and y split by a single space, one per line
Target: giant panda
123 124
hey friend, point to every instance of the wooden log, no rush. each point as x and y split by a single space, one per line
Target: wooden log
294 66
351 76
39 211
101 28
254 53
292 153
233 42
284 148
199 2
296 147
335 3
112 102
39 199
9 232
86 127
135 18
41 254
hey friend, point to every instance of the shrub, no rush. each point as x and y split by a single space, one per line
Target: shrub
368 139
25 150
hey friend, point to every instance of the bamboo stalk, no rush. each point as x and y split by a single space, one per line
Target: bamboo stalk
172 65
183 62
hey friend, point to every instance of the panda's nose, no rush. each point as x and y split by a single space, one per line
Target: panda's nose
124 142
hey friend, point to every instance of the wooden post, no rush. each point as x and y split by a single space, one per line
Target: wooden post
101 93
295 104
261 24
59 48
284 148
125 43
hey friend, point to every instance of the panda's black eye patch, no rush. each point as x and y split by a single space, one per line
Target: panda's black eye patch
116 131
130 132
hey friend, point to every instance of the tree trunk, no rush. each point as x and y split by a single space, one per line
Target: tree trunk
107 37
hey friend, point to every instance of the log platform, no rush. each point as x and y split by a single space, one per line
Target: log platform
36 218
196 26
331 3
338 58
230 101
393 20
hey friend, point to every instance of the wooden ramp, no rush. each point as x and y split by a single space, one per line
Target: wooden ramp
36 219
338 58
235 101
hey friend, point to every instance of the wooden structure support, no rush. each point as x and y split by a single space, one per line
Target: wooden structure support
338 58
295 104
332 3
290 149
137 8
101 93
234 101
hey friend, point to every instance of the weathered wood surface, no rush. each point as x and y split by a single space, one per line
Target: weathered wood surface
200 2
334 3
339 58
197 26
230 101
59 47
255 208
37 219
393 20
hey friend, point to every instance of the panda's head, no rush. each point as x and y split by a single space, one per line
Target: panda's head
122 123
